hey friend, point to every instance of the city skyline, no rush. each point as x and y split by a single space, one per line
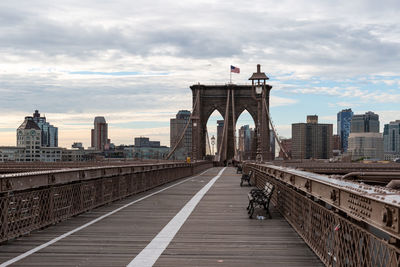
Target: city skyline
133 63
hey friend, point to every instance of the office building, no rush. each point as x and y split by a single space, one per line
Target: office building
177 126
51 154
146 149
365 141
145 142
336 145
343 127
49 135
391 140
99 134
12 153
246 135
29 137
312 139
366 146
365 123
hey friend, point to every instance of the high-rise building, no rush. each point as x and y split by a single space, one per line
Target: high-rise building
220 130
177 126
343 127
391 140
366 146
365 123
100 134
245 142
365 141
29 137
312 140
287 146
336 142
49 135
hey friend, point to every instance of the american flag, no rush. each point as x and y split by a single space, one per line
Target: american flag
235 69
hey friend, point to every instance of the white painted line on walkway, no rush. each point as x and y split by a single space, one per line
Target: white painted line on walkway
150 254
36 249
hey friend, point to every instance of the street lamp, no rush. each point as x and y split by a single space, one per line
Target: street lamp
212 144
258 90
258 82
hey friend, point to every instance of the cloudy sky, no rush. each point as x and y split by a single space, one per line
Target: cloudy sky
133 61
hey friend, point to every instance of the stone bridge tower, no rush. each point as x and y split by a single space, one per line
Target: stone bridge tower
230 100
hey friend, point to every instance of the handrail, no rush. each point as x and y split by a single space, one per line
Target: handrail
359 201
36 179
344 222
30 201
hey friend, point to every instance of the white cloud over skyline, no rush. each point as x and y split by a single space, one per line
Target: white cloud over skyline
133 62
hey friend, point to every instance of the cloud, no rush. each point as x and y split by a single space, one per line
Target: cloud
134 61
276 101
343 104
358 94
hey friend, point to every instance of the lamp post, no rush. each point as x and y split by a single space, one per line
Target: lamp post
258 84
212 144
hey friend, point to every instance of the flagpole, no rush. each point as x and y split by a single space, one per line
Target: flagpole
230 71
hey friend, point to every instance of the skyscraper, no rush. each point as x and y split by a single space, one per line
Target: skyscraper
220 130
177 126
365 141
365 123
391 140
100 133
49 135
343 127
245 142
312 140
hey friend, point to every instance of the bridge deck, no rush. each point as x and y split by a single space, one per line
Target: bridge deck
217 232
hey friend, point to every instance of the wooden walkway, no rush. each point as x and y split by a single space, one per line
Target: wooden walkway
217 233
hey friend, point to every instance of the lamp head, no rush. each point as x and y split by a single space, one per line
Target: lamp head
258 89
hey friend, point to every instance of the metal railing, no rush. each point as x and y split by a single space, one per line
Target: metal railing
34 200
337 235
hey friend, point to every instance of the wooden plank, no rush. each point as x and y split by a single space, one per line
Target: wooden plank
218 232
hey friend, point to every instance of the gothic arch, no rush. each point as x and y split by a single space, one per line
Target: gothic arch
253 113
215 97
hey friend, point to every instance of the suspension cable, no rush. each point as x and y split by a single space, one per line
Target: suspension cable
234 124
273 129
208 142
186 127
224 131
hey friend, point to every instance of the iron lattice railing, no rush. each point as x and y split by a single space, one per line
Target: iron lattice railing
334 238
28 210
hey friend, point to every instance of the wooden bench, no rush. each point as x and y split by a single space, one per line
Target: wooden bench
246 178
260 198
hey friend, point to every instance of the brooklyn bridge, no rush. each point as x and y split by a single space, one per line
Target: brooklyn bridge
196 213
